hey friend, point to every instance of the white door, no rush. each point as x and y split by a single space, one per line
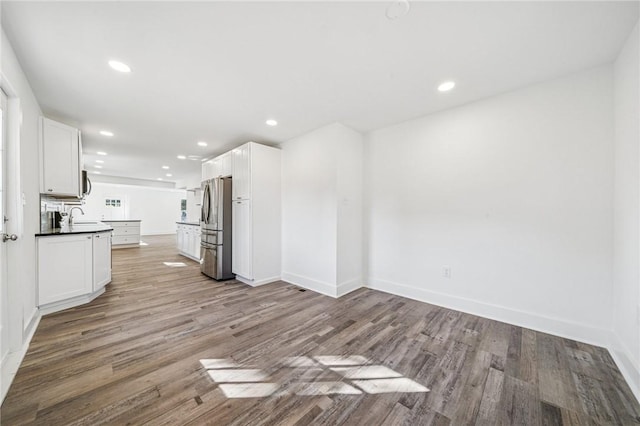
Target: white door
4 306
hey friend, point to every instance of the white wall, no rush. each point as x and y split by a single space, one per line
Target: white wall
626 264
190 181
349 165
21 254
513 193
194 203
157 208
321 206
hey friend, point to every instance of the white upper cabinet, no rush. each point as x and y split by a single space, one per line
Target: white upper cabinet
61 159
241 158
208 170
225 165
219 166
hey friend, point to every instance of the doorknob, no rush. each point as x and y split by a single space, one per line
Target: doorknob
7 237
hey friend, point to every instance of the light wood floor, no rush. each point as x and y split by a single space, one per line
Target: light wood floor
167 345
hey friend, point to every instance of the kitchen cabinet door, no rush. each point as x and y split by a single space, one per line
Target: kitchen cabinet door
180 238
195 246
101 260
208 170
226 165
188 240
61 160
241 253
65 267
241 159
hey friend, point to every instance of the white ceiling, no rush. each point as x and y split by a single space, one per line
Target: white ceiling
216 71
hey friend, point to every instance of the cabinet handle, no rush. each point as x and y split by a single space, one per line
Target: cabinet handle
88 238
50 190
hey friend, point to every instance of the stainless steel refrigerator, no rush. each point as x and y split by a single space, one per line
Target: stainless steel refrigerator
215 224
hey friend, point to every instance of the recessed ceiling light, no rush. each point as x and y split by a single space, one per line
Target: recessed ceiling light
97 166
96 173
106 133
202 143
159 178
169 175
101 153
446 86
119 66
397 9
271 122
165 167
100 161
181 157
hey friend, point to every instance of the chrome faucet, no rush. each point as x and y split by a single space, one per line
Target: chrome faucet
71 213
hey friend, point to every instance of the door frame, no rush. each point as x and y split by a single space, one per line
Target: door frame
14 211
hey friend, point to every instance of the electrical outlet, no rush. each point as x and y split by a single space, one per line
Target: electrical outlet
446 271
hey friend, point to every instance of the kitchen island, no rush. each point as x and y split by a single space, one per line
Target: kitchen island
126 232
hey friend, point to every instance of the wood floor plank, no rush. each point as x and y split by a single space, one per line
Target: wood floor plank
169 346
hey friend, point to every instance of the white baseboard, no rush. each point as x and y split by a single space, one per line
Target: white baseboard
556 326
69 303
256 283
11 362
349 286
310 284
626 362
34 319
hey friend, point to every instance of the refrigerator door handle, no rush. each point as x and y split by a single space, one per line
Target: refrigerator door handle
205 202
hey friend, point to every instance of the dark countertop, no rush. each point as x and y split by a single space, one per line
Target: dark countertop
121 220
189 223
79 228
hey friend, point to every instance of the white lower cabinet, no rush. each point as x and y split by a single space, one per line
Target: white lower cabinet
72 269
101 260
65 267
188 240
195 245
126 233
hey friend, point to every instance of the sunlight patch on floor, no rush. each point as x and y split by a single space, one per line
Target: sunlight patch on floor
248 390
175 264
396 385
237 375
353 375
333 360
366 372
324 388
